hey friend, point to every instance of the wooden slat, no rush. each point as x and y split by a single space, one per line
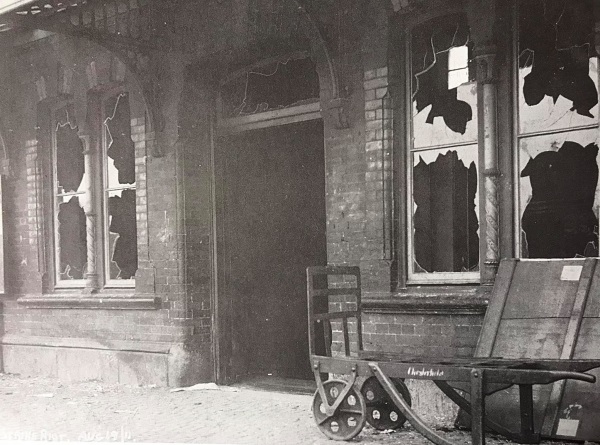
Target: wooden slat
570 341
538 290
493 314
346 336
335 291
327 335
335 315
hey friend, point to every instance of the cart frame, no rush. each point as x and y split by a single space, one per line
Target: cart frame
479 377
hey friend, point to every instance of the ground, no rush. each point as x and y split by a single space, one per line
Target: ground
45 409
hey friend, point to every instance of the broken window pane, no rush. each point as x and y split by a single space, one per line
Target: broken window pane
270 87
121 149
122 234
445 222
121 258
559 200
558 70
71 183
72 236
443 89
70 163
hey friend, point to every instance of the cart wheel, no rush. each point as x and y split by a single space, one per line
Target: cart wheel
349 418
382 413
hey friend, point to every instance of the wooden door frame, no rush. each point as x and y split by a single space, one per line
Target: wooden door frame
222 304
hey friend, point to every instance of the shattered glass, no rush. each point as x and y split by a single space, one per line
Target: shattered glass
70 161
121 149
120 190
444 182
271 87
70 192
123 234
558 136
445 221
72 237
558 69
443 89
558 195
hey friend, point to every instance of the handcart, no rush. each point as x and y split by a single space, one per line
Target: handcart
342 407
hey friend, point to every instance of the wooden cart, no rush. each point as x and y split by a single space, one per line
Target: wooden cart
341 408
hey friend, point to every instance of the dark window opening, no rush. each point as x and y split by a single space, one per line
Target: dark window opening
556 42
120 191
121 148
72 236
70 196
559 219
445 222
274 86
440 59
123 235
70 162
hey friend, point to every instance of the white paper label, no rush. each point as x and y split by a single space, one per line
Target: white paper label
567 427
571 273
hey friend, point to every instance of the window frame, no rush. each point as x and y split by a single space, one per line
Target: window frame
103 193
404 184
94 147
518 135
54 247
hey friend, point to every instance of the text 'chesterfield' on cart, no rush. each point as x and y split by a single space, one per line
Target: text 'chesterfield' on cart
341 408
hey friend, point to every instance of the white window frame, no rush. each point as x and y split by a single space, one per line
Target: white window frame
435 278
518 136
104 192
58 282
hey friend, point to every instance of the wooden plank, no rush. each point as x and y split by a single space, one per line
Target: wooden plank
493 315
538 291
570 341
335 291
579 406
549 309
592 309
525 338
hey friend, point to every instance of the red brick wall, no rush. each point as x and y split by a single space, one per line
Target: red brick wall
181 322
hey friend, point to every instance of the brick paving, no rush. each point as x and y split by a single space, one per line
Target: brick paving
44 409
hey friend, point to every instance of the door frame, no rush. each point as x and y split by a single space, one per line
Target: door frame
222 313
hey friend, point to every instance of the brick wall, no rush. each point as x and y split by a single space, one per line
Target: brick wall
422 335
145 345
360 232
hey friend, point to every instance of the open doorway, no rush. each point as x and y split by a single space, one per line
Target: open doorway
273 226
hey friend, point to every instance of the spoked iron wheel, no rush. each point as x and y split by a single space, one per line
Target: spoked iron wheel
382 413
350 416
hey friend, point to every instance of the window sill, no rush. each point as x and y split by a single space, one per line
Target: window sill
99 301
429 300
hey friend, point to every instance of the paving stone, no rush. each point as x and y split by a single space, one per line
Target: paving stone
45 409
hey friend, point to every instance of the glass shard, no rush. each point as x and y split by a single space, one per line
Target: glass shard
123 234
72 237
444 200
70 162
121 149
559 220
440 66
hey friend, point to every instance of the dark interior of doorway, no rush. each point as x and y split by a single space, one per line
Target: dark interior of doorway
275 224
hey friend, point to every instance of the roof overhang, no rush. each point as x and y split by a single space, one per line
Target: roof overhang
10 5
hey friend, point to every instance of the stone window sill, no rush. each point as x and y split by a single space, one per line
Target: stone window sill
112 300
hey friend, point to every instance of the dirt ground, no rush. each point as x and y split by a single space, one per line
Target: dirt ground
38 409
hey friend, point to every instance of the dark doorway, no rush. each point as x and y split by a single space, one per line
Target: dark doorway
274 227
